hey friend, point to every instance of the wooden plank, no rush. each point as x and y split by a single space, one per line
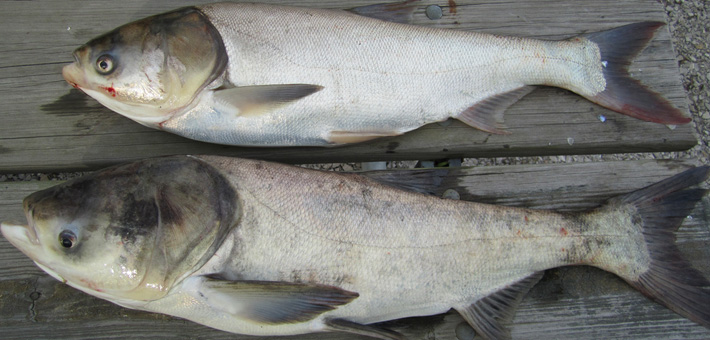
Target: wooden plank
572 302
48 126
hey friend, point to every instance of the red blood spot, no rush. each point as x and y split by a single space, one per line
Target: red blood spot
109 89
526 218
563 231
74 85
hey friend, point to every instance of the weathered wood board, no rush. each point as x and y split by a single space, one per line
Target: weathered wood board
572 302
48 126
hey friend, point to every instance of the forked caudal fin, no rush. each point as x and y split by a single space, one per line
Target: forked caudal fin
622 93
670 280
618 47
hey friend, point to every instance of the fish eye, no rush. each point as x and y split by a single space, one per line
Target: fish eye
67 239
104 64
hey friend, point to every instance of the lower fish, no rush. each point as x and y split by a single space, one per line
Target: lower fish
265 75
261 248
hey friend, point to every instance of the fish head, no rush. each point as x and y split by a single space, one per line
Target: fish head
128 233
151 69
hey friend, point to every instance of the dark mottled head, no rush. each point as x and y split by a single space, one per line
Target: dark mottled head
131 231
149 69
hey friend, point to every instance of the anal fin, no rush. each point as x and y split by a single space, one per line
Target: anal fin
488 315
487 115
342 325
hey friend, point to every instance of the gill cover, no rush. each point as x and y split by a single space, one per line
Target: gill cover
147 69
133 231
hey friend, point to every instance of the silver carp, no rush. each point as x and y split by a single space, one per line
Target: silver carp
265 75
260 248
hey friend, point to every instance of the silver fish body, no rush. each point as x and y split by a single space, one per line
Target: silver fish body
260 248
285 76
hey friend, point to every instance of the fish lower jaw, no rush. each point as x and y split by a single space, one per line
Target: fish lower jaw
146 115
19 234
51 272
102 295
72 74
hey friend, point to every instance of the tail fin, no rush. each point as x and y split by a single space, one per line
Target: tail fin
623 94
670 280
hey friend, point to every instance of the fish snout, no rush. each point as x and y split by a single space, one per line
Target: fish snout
19 234
73 75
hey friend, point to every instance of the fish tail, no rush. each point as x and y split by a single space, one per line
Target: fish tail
665 276
623 94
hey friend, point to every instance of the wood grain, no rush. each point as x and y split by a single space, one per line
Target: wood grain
48 126
572 302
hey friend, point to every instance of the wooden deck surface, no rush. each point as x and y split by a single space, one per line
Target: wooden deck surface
49 126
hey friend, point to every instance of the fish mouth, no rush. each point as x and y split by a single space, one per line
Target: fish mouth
73 75
19 234
24 237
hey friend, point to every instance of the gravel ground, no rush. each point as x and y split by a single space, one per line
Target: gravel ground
690 27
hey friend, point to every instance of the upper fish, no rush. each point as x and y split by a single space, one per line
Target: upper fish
265 75
261 248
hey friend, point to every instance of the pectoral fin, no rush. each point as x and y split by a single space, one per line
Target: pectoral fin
342 325
261 99
271 302
489 314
